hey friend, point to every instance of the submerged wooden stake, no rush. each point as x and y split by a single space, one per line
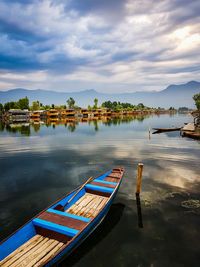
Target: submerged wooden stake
139 177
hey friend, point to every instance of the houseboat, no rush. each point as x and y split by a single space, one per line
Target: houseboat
16 115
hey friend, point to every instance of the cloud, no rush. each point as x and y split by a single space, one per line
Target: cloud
118 44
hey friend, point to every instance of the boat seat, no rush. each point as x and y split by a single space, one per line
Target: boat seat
81 218
103 184
55 227
112 179
56 223
99 188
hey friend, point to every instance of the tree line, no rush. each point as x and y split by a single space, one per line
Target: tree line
36 105
23 103
117 106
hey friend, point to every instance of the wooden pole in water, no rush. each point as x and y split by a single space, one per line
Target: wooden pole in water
149 131
139 177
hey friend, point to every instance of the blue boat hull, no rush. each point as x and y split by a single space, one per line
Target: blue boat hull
58 224
65 253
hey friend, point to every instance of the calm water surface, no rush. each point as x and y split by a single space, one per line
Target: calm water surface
40 163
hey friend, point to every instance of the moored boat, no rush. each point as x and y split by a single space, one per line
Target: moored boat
57 230
167 129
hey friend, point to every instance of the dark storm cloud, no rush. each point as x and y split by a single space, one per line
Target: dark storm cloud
17 63
59 64
18 33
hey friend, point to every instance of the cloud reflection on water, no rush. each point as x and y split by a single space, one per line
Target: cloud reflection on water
38 169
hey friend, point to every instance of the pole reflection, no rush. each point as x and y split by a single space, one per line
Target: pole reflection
139 211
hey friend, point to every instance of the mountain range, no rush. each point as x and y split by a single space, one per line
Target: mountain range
174 95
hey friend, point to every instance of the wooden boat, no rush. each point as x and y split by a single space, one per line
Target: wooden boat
189 127
194 135
167 129
53 233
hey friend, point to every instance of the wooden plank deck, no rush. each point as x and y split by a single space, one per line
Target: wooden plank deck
88 205
32 253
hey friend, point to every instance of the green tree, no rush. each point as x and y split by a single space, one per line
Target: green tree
7 106
52 106
35 105
107 104
197 100
70 102
62 107
95 103
11 105
115 105
1 107
140 106
23 103
47 107
76 107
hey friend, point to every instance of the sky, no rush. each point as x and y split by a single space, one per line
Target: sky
111 46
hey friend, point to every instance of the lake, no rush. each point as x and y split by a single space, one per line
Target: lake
40 163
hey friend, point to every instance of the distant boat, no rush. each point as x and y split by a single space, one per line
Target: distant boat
56 231
167 129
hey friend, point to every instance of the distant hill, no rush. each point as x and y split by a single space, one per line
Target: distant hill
174 95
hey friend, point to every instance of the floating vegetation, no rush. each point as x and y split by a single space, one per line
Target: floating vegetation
191 204
151 198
